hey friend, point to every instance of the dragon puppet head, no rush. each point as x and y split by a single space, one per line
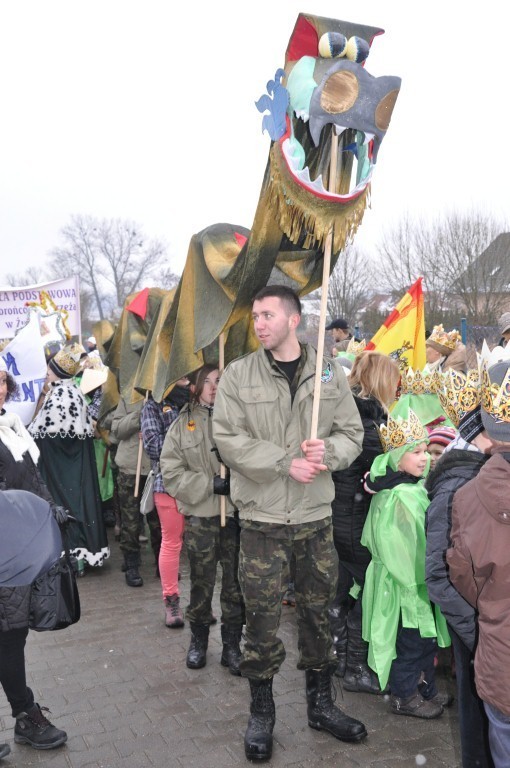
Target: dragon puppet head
325 88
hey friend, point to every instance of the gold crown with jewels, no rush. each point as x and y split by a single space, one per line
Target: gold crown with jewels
356 347
421 382
461 393
448 339
400 432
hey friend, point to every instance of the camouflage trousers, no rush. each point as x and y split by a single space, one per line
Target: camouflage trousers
130 517
208 544
265 553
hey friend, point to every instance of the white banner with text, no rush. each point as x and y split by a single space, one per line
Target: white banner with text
14 304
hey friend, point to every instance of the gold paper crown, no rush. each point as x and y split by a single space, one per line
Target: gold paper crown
356 347
495 398
460 394
421 382
448 339
400 432
67 360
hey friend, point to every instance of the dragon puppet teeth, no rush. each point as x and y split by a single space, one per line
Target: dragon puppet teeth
302 114
339 129
368 137
317 185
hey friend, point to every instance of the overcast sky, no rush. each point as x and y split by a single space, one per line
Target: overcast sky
145 110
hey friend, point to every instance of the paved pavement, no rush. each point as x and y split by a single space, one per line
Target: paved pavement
118 684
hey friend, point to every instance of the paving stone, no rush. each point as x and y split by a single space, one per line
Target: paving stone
118 683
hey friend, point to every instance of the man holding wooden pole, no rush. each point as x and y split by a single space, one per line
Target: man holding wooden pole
281 483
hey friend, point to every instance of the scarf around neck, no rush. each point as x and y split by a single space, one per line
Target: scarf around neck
16 438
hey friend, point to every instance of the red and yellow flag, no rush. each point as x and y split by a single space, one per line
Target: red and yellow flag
402 335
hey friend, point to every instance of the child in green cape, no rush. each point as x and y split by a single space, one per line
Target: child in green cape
398 620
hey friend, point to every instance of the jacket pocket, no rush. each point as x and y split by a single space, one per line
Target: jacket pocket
191 439
262 412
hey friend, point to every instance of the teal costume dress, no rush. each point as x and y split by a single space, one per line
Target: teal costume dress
395 586
63 432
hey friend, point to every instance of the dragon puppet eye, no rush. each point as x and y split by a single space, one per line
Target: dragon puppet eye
357 49
384 110
340 92
332 45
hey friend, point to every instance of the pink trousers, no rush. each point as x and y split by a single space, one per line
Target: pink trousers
172 530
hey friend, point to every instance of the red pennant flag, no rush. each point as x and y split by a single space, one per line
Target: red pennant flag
139 304
241 239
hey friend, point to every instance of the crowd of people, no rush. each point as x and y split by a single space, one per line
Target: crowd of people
386 517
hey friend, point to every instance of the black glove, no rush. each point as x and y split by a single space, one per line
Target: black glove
221 485
61 514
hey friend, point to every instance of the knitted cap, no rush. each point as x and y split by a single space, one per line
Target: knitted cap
504 323
442 435
471 425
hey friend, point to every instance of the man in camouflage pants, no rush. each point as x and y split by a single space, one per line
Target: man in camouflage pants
281 483
125 432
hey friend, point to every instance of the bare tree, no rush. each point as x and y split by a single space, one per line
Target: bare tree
447 253
480 273
349 284
167 279
397 263
31 276
111 256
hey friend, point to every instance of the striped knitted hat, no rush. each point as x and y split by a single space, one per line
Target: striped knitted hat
442 435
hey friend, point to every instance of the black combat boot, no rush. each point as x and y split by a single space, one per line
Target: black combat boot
258 739
338 625
132 561
323 715
197 650
358 675
33 728
231 654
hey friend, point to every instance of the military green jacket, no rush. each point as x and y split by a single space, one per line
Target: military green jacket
188 464
125 432
259 431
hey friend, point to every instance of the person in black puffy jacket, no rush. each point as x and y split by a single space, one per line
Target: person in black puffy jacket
373 380
18 471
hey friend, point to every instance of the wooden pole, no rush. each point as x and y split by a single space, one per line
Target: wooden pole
328 247
140 454
105 461
223 469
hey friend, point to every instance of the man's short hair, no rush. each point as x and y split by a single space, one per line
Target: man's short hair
284 293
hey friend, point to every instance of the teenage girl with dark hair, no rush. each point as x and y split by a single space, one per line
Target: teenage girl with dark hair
156 420
191 472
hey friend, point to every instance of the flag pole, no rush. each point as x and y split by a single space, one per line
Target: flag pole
326 266
223 469
139 458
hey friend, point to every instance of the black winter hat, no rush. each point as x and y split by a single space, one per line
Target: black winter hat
339 322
